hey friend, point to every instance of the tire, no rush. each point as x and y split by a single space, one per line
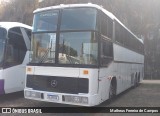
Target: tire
139 75
135 80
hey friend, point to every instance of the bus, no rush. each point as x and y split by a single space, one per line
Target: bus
81 55
14 55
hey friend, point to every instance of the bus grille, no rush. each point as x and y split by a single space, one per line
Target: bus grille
58 84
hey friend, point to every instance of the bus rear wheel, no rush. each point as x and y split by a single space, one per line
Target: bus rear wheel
136 80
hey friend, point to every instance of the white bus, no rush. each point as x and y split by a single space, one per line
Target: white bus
14 55
82 55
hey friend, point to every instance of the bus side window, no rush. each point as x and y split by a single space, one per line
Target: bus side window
106 26
16 48
106 52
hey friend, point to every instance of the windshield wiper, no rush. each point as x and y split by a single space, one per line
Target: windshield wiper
46 53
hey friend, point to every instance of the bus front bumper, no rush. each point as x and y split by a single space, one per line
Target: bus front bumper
73 99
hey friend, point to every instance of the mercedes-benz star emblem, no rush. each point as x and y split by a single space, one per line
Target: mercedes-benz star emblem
54 83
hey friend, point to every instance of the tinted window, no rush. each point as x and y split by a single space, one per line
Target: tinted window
127 39
43 47
110 28
16 48
106 25
78 19
106 52
120 33
3 33
78 48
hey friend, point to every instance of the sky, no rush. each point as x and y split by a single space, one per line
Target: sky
4 1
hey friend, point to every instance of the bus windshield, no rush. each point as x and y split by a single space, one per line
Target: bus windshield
2 42
72 37
78 19
78 48
43 46
45 21
72 19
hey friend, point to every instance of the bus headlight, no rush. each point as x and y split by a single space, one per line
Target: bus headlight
85 100
33 94
27 93
75 99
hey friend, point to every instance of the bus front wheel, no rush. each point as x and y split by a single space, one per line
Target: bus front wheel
112 90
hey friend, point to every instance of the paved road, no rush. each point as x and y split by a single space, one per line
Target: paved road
147 94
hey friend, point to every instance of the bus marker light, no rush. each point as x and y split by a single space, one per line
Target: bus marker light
29 69
85 72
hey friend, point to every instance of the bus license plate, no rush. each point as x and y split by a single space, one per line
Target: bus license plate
52 97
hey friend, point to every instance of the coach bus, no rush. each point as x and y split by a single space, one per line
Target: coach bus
81 55
14 55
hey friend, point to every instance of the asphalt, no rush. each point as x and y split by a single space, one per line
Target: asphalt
147 94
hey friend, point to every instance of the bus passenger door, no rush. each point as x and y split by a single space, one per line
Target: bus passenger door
106 66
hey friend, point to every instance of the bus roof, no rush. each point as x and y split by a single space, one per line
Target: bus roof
61 6
8 25
89 5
